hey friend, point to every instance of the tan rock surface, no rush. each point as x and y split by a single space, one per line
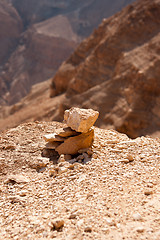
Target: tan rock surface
73 144
103 199
80 120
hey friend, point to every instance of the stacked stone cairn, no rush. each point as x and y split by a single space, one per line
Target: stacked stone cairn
77 137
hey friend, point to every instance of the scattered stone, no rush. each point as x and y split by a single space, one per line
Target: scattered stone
72 160
140 229
61 158
88 229
16 199
89 152
84 150
23 193
150 185
130 158
53 173
124 160
62 170
80 157
80 120
137 217
49 153
73 144
105 230
17 179
53 137
148 192
10 147
40 162
73 216
110 222
67 157
57 224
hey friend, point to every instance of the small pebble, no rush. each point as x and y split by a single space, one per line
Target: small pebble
124 161
73 216
137 217
57 224
148 192
88 229
110 222
140 229
130 157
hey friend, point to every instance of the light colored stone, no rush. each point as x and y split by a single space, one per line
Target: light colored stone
80 120
66 132
52 145
17 178
62 170
73 144
140 229
61 158
53 137
137 217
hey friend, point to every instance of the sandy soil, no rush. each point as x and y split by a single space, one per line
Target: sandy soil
114 195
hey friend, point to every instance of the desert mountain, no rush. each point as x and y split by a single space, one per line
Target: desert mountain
40 35
114 71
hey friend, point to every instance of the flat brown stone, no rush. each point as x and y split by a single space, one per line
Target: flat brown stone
73 144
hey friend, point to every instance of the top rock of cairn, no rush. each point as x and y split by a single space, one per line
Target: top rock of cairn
80 120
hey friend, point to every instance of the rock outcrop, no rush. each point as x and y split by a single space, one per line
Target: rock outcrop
43 47
10 29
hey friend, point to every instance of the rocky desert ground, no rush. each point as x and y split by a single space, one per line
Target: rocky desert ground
112 193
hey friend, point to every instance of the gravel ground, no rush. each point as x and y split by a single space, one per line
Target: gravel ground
113 195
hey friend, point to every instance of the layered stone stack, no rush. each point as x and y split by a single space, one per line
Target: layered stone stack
77 136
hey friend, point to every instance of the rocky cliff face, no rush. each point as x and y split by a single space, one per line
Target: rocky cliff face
51 31
84 15
10 30
42 49
115 71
